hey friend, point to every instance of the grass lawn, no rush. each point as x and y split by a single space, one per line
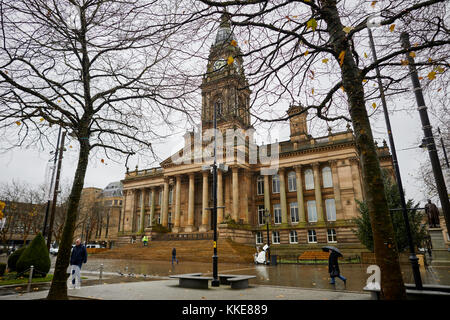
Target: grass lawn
10 278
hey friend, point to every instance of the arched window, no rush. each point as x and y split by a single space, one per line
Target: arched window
275 183
219 107
309 179
292 181
260 185
327 177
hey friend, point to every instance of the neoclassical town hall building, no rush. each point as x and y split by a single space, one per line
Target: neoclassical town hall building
310 198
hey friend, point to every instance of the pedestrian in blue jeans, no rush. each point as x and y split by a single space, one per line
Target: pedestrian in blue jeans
77 258
333 267
174 255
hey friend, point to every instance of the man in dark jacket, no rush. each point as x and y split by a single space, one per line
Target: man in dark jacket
174 255
77 258
333 267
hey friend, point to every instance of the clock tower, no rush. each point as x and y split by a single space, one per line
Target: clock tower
224 85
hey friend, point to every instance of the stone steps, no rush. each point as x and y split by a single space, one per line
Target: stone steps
187 250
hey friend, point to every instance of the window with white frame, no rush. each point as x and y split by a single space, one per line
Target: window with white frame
276 237
312 237
330 207
292 182
261 210
259 237
293 236
309 179
260 186
275 183
294 212
327 177
312 212
331 235
277 213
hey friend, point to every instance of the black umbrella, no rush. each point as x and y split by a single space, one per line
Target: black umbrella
328 248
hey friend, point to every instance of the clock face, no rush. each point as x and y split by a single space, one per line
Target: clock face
219 64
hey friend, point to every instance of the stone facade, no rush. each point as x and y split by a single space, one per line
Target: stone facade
310 195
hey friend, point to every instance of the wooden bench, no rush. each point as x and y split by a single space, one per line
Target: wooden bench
192 280
237 281
314 255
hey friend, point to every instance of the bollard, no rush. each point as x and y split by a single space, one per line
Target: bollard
101 273
30 278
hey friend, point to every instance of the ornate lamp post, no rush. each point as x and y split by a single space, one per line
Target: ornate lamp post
267 218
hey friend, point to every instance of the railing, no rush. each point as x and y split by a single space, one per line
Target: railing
295 259
182 236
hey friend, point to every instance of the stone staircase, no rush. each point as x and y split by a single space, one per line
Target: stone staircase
187 250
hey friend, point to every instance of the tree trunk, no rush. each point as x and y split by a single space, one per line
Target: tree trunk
58 288
392 286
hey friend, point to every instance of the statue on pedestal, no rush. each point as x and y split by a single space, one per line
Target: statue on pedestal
433 214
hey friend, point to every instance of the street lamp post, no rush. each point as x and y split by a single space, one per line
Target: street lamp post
413 258
215 282
267 218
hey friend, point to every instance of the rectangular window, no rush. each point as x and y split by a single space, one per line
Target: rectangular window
259 238
330 207
276 184
309 179
169 217
160 195
277 213
292 182
331 233
293 236
159 219
312 213
276 237
312 237
260 186
261 214
294 212
170 196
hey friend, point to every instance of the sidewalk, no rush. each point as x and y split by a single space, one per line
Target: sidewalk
169 290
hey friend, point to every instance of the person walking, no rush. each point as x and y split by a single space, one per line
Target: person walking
77 258
333 267
145 240
174 255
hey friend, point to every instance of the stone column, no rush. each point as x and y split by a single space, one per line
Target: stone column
336 188
176 224
283 205
133 211
152 206
235 193
142 217
245 191
190 221
357 187
220 211
124 207
318 192
205 198
165 211
267 194
300 200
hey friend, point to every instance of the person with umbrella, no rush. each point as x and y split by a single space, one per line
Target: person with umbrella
333 265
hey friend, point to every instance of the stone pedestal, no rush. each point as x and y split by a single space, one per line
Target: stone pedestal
203 228
190 229
440 255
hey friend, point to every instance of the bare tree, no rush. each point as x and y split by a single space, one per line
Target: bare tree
316 53
97 68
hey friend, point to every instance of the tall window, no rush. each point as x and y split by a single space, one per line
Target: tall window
312 213
277 213
259 237
276 237
331 235
275 183
170 195
293 236
260 185
219 107
331 209
327 177
169 217
159 219
309 179
160 197
261 214
292 181
312 237
294 212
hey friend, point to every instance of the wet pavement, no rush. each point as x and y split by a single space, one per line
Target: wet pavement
286 275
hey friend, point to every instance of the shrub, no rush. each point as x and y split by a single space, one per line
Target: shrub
14 257
37 255
2 269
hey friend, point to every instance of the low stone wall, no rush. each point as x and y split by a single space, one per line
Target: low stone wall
236 235
96 250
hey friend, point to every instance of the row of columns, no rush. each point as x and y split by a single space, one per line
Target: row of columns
206 213
300 197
